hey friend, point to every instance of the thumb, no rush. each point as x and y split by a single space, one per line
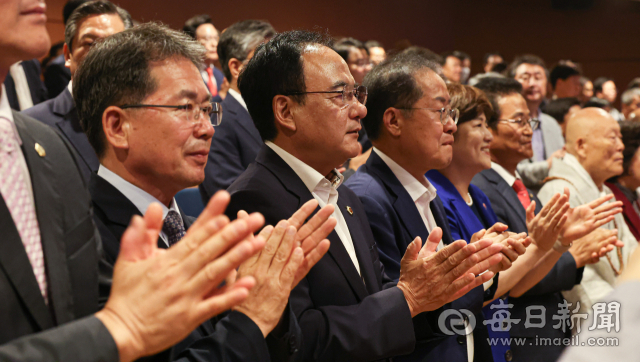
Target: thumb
412 251
431 245
135 244
531 211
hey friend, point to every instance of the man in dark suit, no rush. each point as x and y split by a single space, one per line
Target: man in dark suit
347 308
409 138
237 140
148 154
50 250
24 86
87 24
511 144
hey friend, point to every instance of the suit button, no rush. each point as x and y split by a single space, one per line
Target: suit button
461 339
292 345
508 355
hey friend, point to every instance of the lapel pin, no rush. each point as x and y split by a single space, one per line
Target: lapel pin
350 210
484 205
40 150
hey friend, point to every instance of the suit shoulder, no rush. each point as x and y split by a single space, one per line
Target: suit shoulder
37 128
364 184
41 111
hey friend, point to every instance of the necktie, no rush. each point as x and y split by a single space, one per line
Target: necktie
211 83
523 193
16 196
173 227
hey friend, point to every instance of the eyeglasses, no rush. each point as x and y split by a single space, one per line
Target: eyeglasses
358 92
212 110
445 114
522 122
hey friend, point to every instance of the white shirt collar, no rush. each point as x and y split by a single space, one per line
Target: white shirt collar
572 161
312 179
70 87
238 97
415 188
509 178
5 112
140 198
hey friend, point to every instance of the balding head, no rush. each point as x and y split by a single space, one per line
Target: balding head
593 137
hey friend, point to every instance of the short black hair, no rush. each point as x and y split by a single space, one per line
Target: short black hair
527 59
93 8
69 7
495 88
635 83
392 83
558 108
191 25
277 68
631 138
563 72
599 82
345 45
240 39
486 57
597 103
461 55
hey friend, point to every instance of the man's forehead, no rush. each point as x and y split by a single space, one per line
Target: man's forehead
322 64
527 68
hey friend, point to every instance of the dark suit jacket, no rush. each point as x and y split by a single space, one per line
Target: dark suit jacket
342 318
61 114
563 276
36 87
395 222
219 77
56 76
233 337
71 246
233 147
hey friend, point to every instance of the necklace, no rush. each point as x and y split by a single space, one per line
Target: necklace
616 271
470 203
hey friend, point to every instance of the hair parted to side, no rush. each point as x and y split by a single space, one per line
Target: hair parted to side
240 39
117 71
392 83
495 88
527 59
277 68
470 101
191 25
92 8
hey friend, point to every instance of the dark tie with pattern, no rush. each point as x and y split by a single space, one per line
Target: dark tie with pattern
173 227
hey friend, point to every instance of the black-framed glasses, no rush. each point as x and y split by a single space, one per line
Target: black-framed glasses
445 114
522 122
358 92
213 111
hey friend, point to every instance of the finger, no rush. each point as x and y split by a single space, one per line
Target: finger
560 204
460 262
299 217
531 211
607 206
478 235
545 210
458 250
498 228
600 200
242 214
433 240
510 254
464 285
505 263
265 233
483 266
567 193
272 246
218 303
310 242
290 269
608 213
134 244
153 221
310 259
518 247
216 206
283 255
605 221
413 249
314 223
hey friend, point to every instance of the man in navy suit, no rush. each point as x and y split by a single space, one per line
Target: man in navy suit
411 128
201 28
511 144
306 106
237 140
24 86
87 24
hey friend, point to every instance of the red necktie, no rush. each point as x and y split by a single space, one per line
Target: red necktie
523 193
212 83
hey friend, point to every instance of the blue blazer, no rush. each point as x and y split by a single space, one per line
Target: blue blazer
61 114
395 222
234 146
563 276
463 223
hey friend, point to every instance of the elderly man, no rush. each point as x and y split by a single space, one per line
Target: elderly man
546 140
594 154
237 140
153 142
50 252
630 103
87 24
511 127
303 100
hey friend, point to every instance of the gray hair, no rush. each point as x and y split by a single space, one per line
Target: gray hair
98 7
116 72
240 39
629 95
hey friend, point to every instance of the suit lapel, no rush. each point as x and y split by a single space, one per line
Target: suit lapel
439 215
292 182
507 193
243 118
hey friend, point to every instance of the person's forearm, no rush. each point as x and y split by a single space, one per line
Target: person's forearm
536 274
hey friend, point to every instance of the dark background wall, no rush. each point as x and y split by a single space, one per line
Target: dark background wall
603 37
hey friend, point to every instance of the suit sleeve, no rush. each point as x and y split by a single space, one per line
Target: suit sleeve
563 276
86 340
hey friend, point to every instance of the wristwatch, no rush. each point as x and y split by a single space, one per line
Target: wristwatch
561 248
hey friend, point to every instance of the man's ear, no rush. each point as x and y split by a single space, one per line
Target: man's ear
581 148
393 120
116 127
283 113
235 66
67 55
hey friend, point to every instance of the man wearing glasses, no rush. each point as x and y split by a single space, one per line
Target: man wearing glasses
307 107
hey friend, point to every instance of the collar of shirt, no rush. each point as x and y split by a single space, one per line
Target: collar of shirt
573 162
415 188
70 87
511 179
238 97
312 179
5 112
140 198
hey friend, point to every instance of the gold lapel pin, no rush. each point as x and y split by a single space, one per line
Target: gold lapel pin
350 210
40 150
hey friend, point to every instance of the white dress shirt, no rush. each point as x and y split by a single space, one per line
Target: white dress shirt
22 86
138 197
509 178
324 192
238 97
